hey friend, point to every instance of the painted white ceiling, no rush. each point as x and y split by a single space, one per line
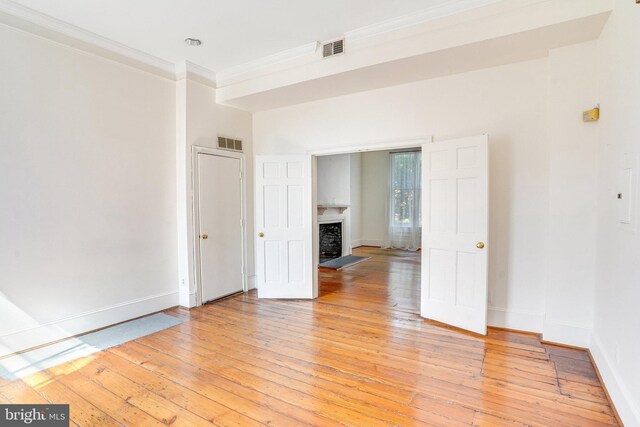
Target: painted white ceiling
232 31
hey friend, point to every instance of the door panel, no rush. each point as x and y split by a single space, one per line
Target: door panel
284 255
455 205
220 212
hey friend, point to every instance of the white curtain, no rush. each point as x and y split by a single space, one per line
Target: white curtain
405 207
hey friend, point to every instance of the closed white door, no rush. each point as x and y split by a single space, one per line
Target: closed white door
221 237
455 206
283 212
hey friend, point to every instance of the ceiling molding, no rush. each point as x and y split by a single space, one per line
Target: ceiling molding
35 22
186 69
416 18
307 53
247 70
89 42
493 35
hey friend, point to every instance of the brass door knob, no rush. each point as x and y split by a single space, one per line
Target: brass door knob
205 236
480 245
261 234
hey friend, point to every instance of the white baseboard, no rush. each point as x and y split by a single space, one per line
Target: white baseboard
514 319
366 242
573 334
356 243
45 333
188 299
251 282
623 400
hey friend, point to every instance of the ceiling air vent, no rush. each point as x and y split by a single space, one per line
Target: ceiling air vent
333 48
229 144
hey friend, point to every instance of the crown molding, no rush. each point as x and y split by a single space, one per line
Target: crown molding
190 70
449 8
29 20
247 70
304 54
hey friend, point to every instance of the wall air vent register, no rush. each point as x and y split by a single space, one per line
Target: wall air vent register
229 144
333 48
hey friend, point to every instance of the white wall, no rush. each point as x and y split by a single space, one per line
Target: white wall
199 122
337 183
356 199
571 247
87 177
333 179
615 345
375 184
508 103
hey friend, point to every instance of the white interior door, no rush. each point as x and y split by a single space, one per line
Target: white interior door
221 236
284 241
455 206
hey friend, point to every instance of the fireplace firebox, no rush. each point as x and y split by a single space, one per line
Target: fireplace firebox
330 237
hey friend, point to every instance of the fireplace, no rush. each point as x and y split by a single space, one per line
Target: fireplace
330 237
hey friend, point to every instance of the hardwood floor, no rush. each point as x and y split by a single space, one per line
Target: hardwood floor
358 355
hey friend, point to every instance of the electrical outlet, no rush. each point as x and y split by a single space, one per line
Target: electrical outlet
182 281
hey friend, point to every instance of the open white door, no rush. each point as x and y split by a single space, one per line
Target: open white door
455 206
284 242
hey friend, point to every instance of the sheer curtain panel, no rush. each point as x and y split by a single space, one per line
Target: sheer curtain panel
405 207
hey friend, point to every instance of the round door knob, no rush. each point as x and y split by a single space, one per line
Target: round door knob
480 245
261 234
205 236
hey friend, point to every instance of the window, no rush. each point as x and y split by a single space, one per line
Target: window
405 207
405 189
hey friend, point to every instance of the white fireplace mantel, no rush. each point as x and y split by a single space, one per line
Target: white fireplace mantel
336 213
323 208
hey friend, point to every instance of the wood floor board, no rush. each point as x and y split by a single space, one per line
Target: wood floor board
359 355
106 401
485 420
396 357
412 328
364 393
341 404
82 412
253 405
19 392
315 371
285 389
363 362
182 396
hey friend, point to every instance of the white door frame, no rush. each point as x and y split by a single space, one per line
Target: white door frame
195 197
394 144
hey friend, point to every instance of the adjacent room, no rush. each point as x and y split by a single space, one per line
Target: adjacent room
369 227
360 213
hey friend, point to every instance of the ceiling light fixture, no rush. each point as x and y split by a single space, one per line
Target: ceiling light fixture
193 42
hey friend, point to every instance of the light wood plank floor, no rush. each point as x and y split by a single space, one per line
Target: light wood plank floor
359 355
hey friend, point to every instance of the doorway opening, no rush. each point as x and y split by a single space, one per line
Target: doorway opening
454 258
369 228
